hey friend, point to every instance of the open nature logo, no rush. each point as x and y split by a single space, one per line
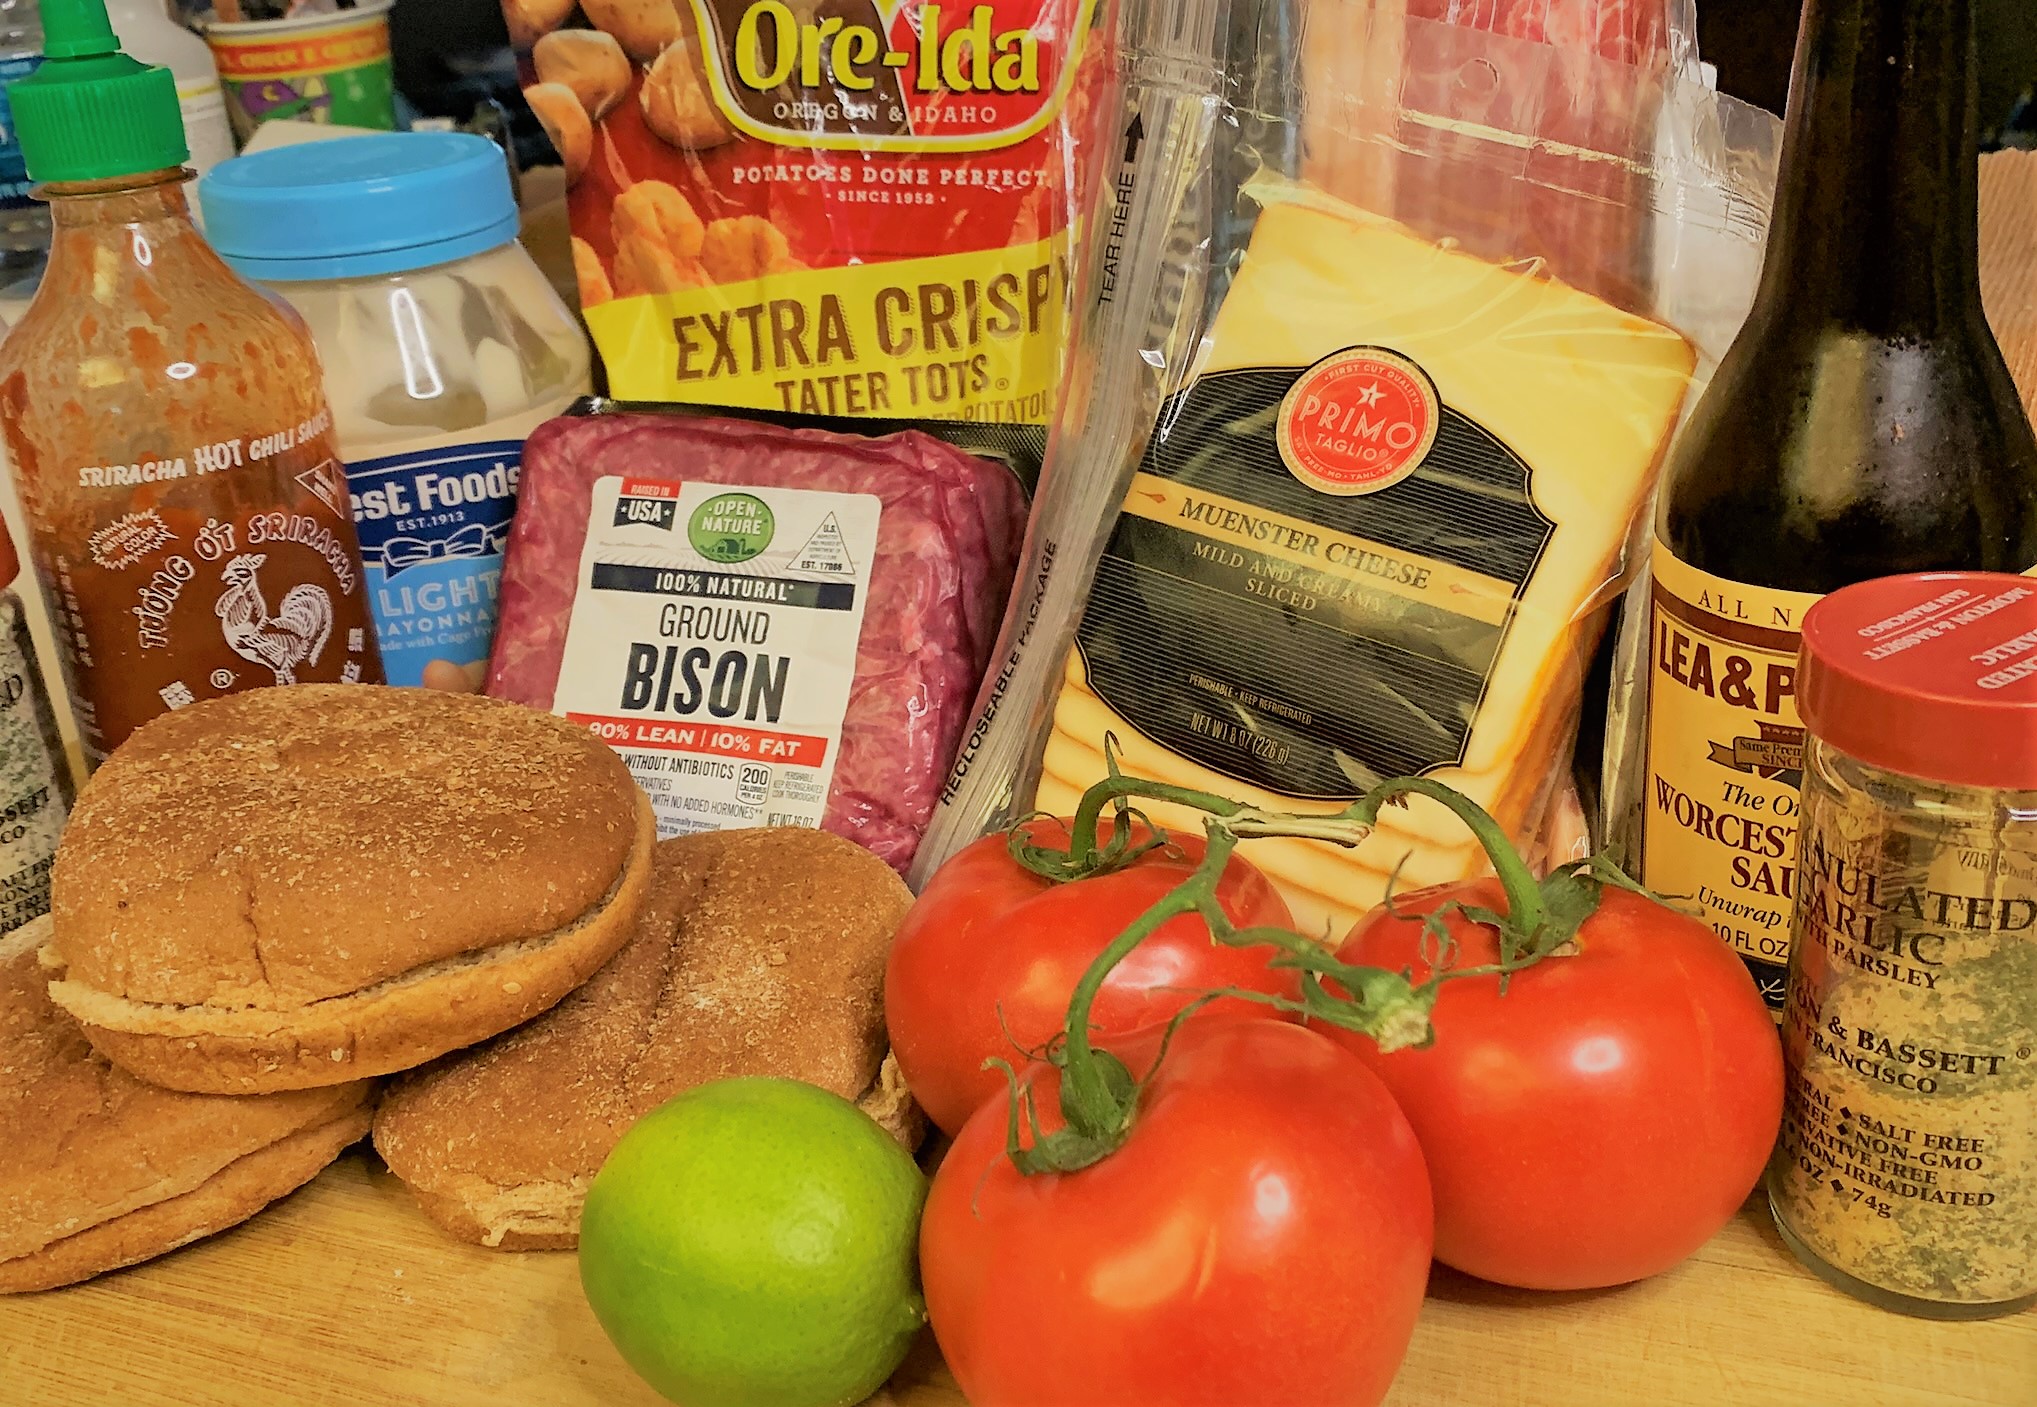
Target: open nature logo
731 528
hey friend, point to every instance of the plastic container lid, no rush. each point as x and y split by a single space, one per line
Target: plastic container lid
91 113
1932 675
359 206
298 24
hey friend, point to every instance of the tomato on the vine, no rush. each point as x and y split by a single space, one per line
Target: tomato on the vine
986 960
1599 1117
1260 1236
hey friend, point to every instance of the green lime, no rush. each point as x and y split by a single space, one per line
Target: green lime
753 1243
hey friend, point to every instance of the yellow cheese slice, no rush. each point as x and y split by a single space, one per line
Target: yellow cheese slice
1086 719
1585 394
1327 887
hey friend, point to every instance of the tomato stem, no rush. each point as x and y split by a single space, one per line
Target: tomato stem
1099 1100
1087 1101
1099 1097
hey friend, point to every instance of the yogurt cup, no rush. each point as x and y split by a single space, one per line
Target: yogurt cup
318 68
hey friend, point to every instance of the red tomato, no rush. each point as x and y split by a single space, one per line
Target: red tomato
1262 1237
988 937
1601 1119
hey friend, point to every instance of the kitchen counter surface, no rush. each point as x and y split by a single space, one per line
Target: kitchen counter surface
344 1294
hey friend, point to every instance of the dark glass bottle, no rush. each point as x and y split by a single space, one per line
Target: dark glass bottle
1864 424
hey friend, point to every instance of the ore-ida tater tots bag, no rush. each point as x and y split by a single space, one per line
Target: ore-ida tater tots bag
826 207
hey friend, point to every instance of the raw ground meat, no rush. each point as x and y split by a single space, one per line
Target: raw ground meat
947 545
1584 82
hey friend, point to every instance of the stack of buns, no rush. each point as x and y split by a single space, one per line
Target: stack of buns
266 902
759 951
99 1170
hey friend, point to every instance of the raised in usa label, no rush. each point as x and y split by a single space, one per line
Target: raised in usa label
713 644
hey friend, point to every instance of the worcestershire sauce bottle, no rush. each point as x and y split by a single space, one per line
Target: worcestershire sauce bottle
1864 424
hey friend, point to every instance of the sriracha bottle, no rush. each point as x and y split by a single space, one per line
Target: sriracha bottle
167 422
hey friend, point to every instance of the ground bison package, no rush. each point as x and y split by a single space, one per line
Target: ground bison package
773 626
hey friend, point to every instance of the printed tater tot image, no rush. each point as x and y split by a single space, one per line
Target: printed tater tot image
746 247
589 63
644 266
565 121
676 103
642 27
652 212
531 20
595 288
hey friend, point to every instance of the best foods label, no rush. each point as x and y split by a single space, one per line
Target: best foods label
713 643
860 210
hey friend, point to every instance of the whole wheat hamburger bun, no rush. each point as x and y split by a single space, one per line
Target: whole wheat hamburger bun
760 952
303 886
98 1170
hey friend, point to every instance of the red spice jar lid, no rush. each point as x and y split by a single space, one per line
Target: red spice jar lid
1932 675
10 561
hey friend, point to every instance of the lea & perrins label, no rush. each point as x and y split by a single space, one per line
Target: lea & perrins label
1725 756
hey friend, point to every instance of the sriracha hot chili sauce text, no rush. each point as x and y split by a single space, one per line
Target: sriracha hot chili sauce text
1862 425
167 422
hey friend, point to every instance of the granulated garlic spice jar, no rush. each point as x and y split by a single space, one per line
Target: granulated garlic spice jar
1907 1169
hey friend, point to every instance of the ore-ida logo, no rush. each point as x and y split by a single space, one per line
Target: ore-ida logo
892 75
774 46
731 528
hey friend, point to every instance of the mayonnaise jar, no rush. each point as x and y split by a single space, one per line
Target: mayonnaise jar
443 345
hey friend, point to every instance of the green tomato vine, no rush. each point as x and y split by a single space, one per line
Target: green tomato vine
1100 1097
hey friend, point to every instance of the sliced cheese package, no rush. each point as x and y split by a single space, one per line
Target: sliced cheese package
1371 542
1381 497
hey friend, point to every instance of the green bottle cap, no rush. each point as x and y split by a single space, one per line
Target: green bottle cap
91 113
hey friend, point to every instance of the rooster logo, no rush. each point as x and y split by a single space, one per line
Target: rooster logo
295 635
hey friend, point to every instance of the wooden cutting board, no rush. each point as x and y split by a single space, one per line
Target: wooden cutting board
343 1295
2008 260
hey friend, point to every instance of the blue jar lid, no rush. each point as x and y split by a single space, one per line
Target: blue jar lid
357 206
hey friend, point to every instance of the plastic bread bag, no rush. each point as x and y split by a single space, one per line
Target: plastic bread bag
1393 427
1708 262
827 207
